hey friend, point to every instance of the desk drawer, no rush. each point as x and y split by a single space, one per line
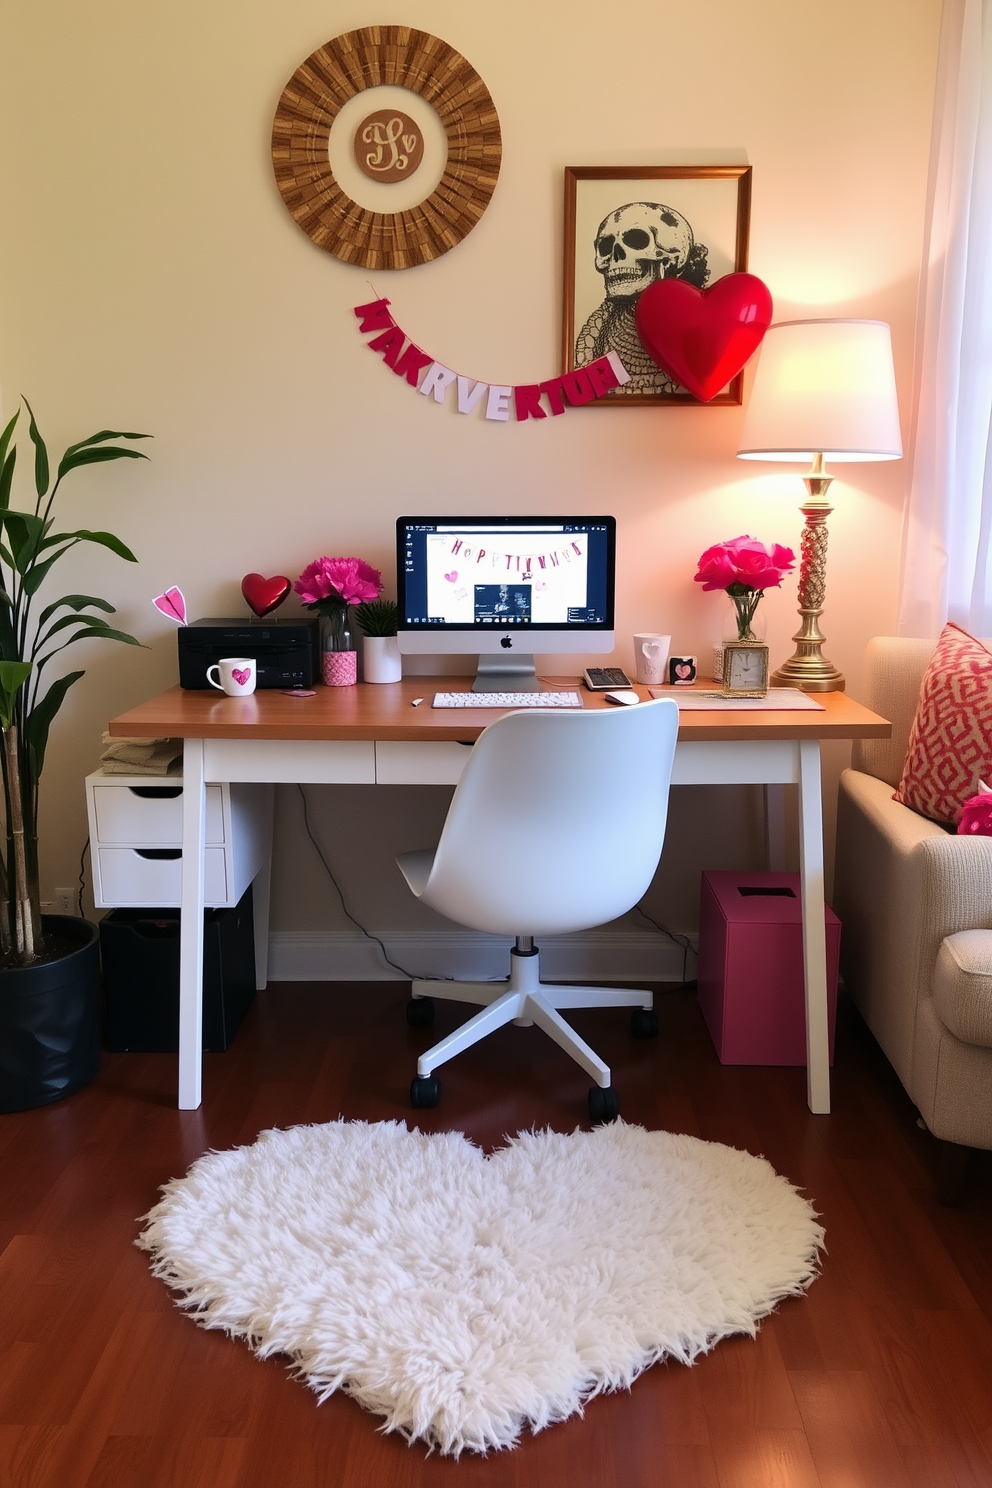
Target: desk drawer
291 761
150 815
131 878
420 764
136 832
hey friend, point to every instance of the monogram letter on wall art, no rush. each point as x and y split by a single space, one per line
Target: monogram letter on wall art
386 147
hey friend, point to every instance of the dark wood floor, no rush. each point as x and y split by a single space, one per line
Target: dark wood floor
881 1376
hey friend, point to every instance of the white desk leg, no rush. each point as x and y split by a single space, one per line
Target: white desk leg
814 933
260 898
191 927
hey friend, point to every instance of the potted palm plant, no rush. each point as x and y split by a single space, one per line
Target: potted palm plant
49 965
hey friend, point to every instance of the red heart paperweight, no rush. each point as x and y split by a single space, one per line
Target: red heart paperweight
264 595
703 337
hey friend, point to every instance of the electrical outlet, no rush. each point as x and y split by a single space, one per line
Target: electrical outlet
65 901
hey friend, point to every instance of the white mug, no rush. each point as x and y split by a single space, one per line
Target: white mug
650 656
237 675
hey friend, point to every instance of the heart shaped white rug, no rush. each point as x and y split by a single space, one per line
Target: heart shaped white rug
465 1297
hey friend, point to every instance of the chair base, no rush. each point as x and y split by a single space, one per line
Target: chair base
524 999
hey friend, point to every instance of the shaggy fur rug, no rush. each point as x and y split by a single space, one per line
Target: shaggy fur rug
465 1297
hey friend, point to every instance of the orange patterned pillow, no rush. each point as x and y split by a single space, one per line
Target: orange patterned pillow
950 743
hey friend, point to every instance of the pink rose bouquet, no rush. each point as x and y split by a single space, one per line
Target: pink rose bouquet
744 568
329 584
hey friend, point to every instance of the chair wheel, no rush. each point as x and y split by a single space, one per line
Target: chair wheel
425 1090
644 1023
419 1012
604 1105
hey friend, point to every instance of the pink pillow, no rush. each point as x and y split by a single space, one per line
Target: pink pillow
950 743
976 816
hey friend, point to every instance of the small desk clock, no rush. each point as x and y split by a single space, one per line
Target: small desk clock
745 669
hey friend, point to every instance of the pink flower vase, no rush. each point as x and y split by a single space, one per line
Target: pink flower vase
340 668
338 657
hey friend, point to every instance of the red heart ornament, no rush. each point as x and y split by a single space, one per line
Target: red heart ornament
703 337
264 595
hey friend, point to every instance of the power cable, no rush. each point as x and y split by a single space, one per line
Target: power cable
680 940
82 878
411 976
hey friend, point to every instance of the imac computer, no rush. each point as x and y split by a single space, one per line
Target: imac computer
501 588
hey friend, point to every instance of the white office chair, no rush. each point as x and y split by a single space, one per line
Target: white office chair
557 824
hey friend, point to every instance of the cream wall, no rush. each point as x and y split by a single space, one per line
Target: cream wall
151 279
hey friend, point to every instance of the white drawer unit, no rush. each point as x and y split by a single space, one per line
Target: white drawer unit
136 836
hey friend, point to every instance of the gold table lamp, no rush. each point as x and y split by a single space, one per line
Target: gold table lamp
823 389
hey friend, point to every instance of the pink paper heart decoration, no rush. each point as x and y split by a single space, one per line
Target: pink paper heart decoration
452 576
241 675
683 671
172 604
264 595
703 337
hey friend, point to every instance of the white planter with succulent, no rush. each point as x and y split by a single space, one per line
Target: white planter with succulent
381 659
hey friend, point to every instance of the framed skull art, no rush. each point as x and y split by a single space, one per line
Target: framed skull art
625 228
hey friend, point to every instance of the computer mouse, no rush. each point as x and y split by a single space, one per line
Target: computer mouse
622 697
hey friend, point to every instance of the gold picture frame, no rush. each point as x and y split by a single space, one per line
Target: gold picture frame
378 56
697 230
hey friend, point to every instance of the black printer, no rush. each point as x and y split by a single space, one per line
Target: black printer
286 652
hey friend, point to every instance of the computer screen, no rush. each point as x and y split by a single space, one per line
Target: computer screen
506 574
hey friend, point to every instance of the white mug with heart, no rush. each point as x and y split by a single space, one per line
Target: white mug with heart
236 673
650 656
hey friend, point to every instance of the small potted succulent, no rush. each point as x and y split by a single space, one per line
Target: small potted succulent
377 620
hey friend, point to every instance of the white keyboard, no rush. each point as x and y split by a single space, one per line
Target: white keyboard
507 700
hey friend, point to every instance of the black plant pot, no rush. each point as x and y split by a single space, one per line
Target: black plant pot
49 1021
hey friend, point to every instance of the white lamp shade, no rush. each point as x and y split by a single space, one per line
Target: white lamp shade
823 387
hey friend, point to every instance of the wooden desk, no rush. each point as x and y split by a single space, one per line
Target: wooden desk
367 735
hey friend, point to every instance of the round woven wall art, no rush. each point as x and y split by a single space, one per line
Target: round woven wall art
370 58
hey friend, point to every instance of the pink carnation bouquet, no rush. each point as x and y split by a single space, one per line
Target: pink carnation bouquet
744 568
327 585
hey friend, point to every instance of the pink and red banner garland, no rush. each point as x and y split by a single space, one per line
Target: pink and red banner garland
432 378
510 562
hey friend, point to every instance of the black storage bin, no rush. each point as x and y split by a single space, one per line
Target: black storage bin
140 951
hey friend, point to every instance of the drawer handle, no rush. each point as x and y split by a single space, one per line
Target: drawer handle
156 854
156 792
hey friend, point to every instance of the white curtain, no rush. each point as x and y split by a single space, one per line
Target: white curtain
947 538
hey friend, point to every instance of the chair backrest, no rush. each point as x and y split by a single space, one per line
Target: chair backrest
558 820
894 668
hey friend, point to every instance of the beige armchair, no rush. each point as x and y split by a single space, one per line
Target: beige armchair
916 906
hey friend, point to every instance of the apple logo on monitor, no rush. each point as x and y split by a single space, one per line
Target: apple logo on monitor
506 642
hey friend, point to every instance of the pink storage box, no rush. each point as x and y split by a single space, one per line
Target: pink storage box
750 978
